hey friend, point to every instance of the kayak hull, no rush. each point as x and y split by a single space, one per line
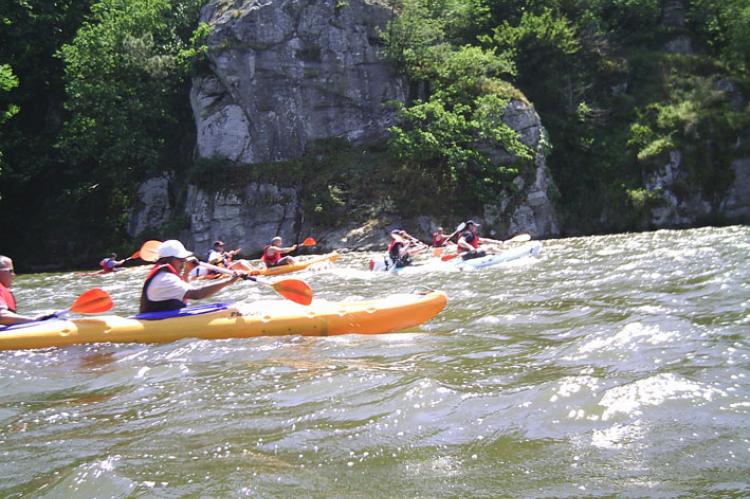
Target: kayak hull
384 264
529 249
245 266
269 318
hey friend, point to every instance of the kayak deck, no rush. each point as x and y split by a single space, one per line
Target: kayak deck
264 318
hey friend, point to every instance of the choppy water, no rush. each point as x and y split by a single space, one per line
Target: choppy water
608 366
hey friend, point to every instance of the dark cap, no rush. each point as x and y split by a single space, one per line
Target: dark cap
472 222
218 243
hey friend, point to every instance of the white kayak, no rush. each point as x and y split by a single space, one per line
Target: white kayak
532 248
384 263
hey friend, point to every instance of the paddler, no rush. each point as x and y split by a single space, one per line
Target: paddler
402 247
273 254
217 256
166 288
439 239
8 315
110 263
469 240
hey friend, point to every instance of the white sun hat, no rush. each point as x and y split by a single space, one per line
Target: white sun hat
174 249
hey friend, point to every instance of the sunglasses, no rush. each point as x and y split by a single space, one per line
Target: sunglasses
8 270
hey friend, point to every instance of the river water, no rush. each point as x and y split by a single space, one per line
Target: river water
607 366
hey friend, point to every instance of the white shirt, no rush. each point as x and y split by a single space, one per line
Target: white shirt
215 256
167 286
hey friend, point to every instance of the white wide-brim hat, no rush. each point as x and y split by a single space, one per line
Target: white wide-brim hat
173 249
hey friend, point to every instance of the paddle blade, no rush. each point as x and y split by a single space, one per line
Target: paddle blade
446 258
309 241
520 238
149 252
437 251
137 254
93 301
294 290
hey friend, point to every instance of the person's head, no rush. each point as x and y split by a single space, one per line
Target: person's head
113 256
439 230
219 245
7 272
276 241
174 253
471 224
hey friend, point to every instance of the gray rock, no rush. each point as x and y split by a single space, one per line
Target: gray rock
289 72
736 204
152 207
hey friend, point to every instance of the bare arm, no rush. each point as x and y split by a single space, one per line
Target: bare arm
8 318
210 289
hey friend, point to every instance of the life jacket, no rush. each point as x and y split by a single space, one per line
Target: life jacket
105 265
164 305
470 236
439 239
8 298
400 258
270 260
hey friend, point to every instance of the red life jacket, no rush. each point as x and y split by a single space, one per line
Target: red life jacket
474 241
270 260
439 240
159 306
7 296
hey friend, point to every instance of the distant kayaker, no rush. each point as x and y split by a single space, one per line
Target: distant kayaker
468 242
439 239
8 315
273 254
402 247
165 287
217 255
110 263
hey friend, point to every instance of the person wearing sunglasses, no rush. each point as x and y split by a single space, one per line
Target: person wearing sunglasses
8 315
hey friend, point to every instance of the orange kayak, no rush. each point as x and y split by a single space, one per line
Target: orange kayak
388 314
246 266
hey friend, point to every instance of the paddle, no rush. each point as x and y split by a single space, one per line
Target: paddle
291 289
520 238
93 301
149 252
309 241
460 227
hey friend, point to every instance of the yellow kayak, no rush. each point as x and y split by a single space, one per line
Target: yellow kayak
217 321
245 266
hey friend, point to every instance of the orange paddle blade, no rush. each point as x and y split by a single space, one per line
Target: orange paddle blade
309 242
93 301
137 254
446 258
149 252
294 290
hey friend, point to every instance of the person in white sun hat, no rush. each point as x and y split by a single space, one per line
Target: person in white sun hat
165 287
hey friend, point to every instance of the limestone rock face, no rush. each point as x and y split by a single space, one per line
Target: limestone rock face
246 218
529 208
152 207
736 204
287 72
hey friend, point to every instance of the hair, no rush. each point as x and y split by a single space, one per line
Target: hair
5 261
275 238
113 255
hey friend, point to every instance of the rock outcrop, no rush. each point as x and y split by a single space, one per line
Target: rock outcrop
288 72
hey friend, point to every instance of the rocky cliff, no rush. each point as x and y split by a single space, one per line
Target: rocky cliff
289 72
